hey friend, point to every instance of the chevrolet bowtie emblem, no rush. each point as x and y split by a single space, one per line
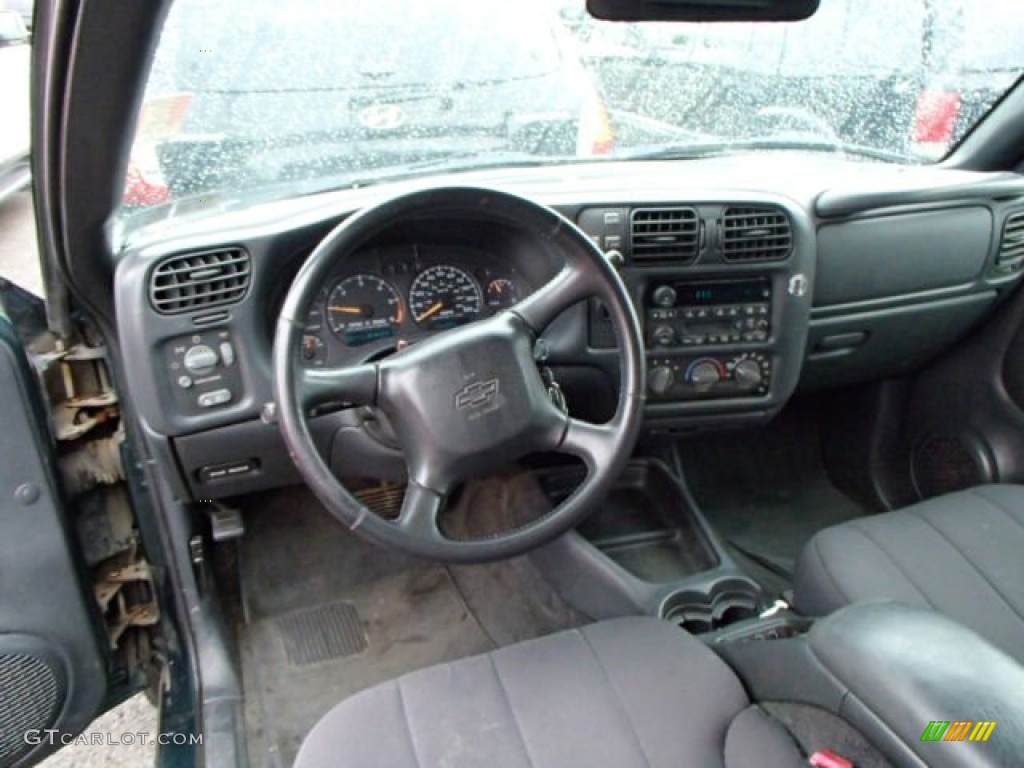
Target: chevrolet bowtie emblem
476 394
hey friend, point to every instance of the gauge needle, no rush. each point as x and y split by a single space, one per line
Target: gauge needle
347 310
431 312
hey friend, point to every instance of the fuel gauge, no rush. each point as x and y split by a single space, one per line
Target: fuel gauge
501 293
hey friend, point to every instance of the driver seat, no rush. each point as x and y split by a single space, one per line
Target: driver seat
625 692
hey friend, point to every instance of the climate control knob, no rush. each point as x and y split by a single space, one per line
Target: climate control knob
665 335
747 373
664 296
660 379
704 373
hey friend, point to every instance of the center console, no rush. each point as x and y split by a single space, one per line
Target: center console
723 292
691 315
921 688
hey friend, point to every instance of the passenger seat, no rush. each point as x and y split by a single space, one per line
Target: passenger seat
961 554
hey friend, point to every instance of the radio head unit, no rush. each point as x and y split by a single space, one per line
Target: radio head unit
696 313
711 293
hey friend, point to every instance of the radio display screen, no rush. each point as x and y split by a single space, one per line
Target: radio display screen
726 292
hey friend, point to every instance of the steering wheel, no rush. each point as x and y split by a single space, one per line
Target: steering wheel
468 400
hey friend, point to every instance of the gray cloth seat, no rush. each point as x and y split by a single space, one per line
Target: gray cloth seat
961 554
628 692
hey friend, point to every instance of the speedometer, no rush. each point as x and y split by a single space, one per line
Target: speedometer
444 297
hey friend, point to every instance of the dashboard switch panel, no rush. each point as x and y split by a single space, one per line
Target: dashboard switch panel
709 377
202 371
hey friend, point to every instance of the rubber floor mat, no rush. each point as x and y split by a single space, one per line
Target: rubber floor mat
318 634
766 491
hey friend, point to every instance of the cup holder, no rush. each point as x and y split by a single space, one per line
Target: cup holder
725 603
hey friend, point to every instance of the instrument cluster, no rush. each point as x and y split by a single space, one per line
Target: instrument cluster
402 294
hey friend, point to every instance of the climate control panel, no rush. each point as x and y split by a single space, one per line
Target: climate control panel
709 376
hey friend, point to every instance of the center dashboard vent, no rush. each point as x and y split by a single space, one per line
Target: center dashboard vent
1011 247
664 234
199 280
756 234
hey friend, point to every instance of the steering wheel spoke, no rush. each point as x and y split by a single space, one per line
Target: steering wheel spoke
421 508
354 384
572 284
594 443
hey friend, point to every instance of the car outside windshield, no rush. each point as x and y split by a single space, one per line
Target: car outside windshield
262 99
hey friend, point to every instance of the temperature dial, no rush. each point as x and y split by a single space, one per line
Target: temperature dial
747 373
704 372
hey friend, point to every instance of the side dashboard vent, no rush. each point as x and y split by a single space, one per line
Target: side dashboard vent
1010 256
199 280
756 234
664 234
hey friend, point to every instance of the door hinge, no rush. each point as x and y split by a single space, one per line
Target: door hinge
85 417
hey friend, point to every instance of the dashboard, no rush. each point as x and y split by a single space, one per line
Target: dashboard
402 293
753 278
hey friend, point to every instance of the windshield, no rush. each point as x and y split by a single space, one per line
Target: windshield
259 99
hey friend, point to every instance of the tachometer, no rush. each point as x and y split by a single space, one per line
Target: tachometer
444 297
363 308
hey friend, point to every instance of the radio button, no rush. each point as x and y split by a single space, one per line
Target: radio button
664 335
664 296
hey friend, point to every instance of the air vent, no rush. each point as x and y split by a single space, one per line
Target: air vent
1011 248
756 234
664 234
199 280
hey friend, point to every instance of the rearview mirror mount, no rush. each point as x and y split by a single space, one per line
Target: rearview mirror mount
702 10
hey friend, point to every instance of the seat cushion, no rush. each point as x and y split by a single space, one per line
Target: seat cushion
628 692
961 554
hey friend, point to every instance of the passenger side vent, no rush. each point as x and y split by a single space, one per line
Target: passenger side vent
1011 247
756 234
199 280
664 234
